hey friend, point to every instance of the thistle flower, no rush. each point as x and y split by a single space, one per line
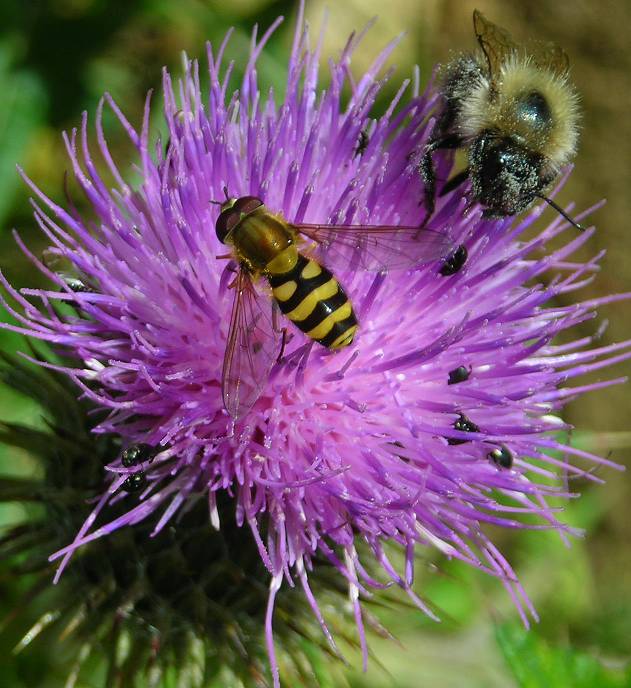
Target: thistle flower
186 606
439 420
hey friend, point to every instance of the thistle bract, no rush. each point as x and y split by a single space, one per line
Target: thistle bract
382 442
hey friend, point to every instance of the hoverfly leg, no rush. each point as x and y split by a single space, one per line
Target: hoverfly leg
277 327
283 343
225 191
231 267
302 363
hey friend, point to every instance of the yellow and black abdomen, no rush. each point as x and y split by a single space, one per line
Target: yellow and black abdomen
310 296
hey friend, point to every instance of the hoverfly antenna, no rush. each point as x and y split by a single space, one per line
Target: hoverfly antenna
561 212
225 191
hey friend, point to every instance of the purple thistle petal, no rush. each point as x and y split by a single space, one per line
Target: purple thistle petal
340 445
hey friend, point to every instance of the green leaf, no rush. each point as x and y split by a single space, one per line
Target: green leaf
22 111
536 663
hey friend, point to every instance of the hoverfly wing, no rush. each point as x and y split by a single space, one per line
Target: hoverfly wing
495 42
253 345
376 248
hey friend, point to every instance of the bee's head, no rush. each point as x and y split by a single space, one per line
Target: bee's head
506 175
233 210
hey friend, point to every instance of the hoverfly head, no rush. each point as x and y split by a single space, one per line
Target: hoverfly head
233 210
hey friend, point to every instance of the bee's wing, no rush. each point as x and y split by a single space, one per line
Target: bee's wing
551 56
253 345
376 248
495 42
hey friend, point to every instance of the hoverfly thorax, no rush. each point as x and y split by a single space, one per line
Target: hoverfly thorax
257 235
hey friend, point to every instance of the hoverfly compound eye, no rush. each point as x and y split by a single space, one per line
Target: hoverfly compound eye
246 204
226 222
232 212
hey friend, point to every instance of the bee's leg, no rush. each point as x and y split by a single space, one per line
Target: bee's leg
426 168
454 182
487 213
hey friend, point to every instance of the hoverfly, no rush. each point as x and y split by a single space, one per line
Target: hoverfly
265 245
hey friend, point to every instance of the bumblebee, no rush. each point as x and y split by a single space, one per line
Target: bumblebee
516 114
267 247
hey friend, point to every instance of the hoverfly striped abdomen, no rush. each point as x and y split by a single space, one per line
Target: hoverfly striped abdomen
310 296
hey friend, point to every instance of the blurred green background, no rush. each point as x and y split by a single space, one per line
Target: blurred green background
57 57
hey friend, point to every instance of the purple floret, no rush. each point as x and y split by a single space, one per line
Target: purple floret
368 443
